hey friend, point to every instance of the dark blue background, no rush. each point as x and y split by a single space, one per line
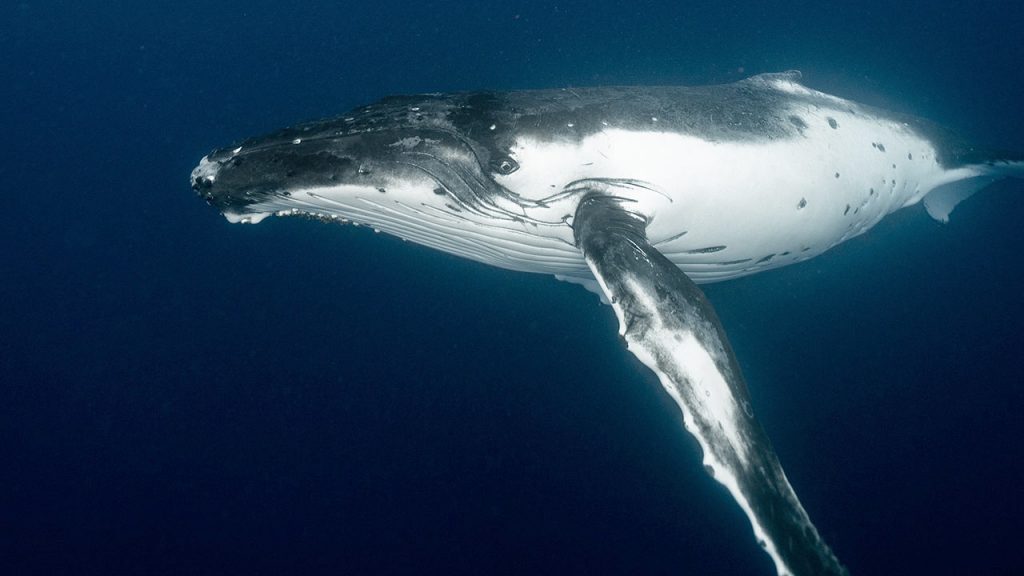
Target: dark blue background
179 395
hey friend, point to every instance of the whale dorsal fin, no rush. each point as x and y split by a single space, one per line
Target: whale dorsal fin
793 76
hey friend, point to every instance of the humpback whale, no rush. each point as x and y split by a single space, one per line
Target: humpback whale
640 194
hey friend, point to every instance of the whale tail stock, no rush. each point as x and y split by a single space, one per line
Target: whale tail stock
963 182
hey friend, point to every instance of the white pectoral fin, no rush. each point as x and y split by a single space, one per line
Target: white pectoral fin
589 283
670 327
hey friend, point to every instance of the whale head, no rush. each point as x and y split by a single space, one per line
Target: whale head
402 146
431 169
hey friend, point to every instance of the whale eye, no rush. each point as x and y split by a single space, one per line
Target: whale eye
506 166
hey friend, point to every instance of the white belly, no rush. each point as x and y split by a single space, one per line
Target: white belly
749 206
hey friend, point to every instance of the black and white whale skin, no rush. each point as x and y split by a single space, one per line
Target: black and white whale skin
638 193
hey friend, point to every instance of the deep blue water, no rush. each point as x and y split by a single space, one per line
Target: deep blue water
183 396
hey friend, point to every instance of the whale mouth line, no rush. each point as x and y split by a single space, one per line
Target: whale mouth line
471 192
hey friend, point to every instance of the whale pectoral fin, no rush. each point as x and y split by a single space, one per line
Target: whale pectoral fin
589 283
670 326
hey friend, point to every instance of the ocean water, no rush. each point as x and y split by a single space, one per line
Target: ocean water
183 396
